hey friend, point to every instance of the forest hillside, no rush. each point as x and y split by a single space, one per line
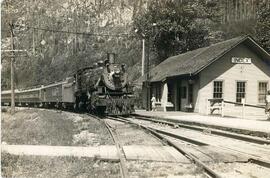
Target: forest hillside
60 37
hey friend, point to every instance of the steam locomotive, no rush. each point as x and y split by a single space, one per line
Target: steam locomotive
100 89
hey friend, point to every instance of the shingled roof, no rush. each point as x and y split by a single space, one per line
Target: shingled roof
193 62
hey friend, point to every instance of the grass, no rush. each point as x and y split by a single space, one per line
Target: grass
163 169
42 127
35 127
90 126
60 167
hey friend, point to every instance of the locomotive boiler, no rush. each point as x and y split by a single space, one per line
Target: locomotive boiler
103 88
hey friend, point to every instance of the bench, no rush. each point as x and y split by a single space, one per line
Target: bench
169 106
189 107
215 104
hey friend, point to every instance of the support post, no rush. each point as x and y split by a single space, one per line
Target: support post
143 56
148 75
243 107
164 98
208 109
222 108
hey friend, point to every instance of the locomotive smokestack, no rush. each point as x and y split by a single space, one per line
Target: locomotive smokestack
111 57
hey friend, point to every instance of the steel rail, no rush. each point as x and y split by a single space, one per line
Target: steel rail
259 134
213 131
123 168
207 169
253 159
260 162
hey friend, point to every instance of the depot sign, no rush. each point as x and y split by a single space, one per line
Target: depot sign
241 60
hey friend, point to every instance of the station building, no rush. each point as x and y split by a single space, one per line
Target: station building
231 70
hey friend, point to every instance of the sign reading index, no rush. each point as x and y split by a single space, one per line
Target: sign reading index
241 60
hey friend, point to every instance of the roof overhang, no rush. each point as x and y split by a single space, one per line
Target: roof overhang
258 49
245 40
248 40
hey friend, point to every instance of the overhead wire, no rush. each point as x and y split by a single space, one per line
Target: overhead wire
77 33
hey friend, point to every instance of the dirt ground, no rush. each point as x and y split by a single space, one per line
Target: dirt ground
43 127
60 167
131 135
241 170
163 169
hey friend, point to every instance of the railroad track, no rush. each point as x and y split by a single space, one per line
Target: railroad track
165 136
252 158
161 134
122 159
207 129
194 125
163 139
121 154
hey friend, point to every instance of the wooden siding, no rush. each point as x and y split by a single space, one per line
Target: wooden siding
224 69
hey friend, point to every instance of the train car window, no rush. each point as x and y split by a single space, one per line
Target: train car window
55 91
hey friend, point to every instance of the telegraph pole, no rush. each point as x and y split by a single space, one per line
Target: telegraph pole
12 60
143 55
11 28
12 68
148 75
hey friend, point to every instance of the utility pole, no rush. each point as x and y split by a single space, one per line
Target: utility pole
148 74
143 55
12 68
12 60
148 83
11 28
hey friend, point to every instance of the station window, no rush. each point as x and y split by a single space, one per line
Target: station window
218 89
262 92
240 91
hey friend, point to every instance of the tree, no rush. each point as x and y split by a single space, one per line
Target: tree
175 26
47 31
263 25
252 19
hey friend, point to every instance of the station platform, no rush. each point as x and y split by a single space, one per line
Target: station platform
243 124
